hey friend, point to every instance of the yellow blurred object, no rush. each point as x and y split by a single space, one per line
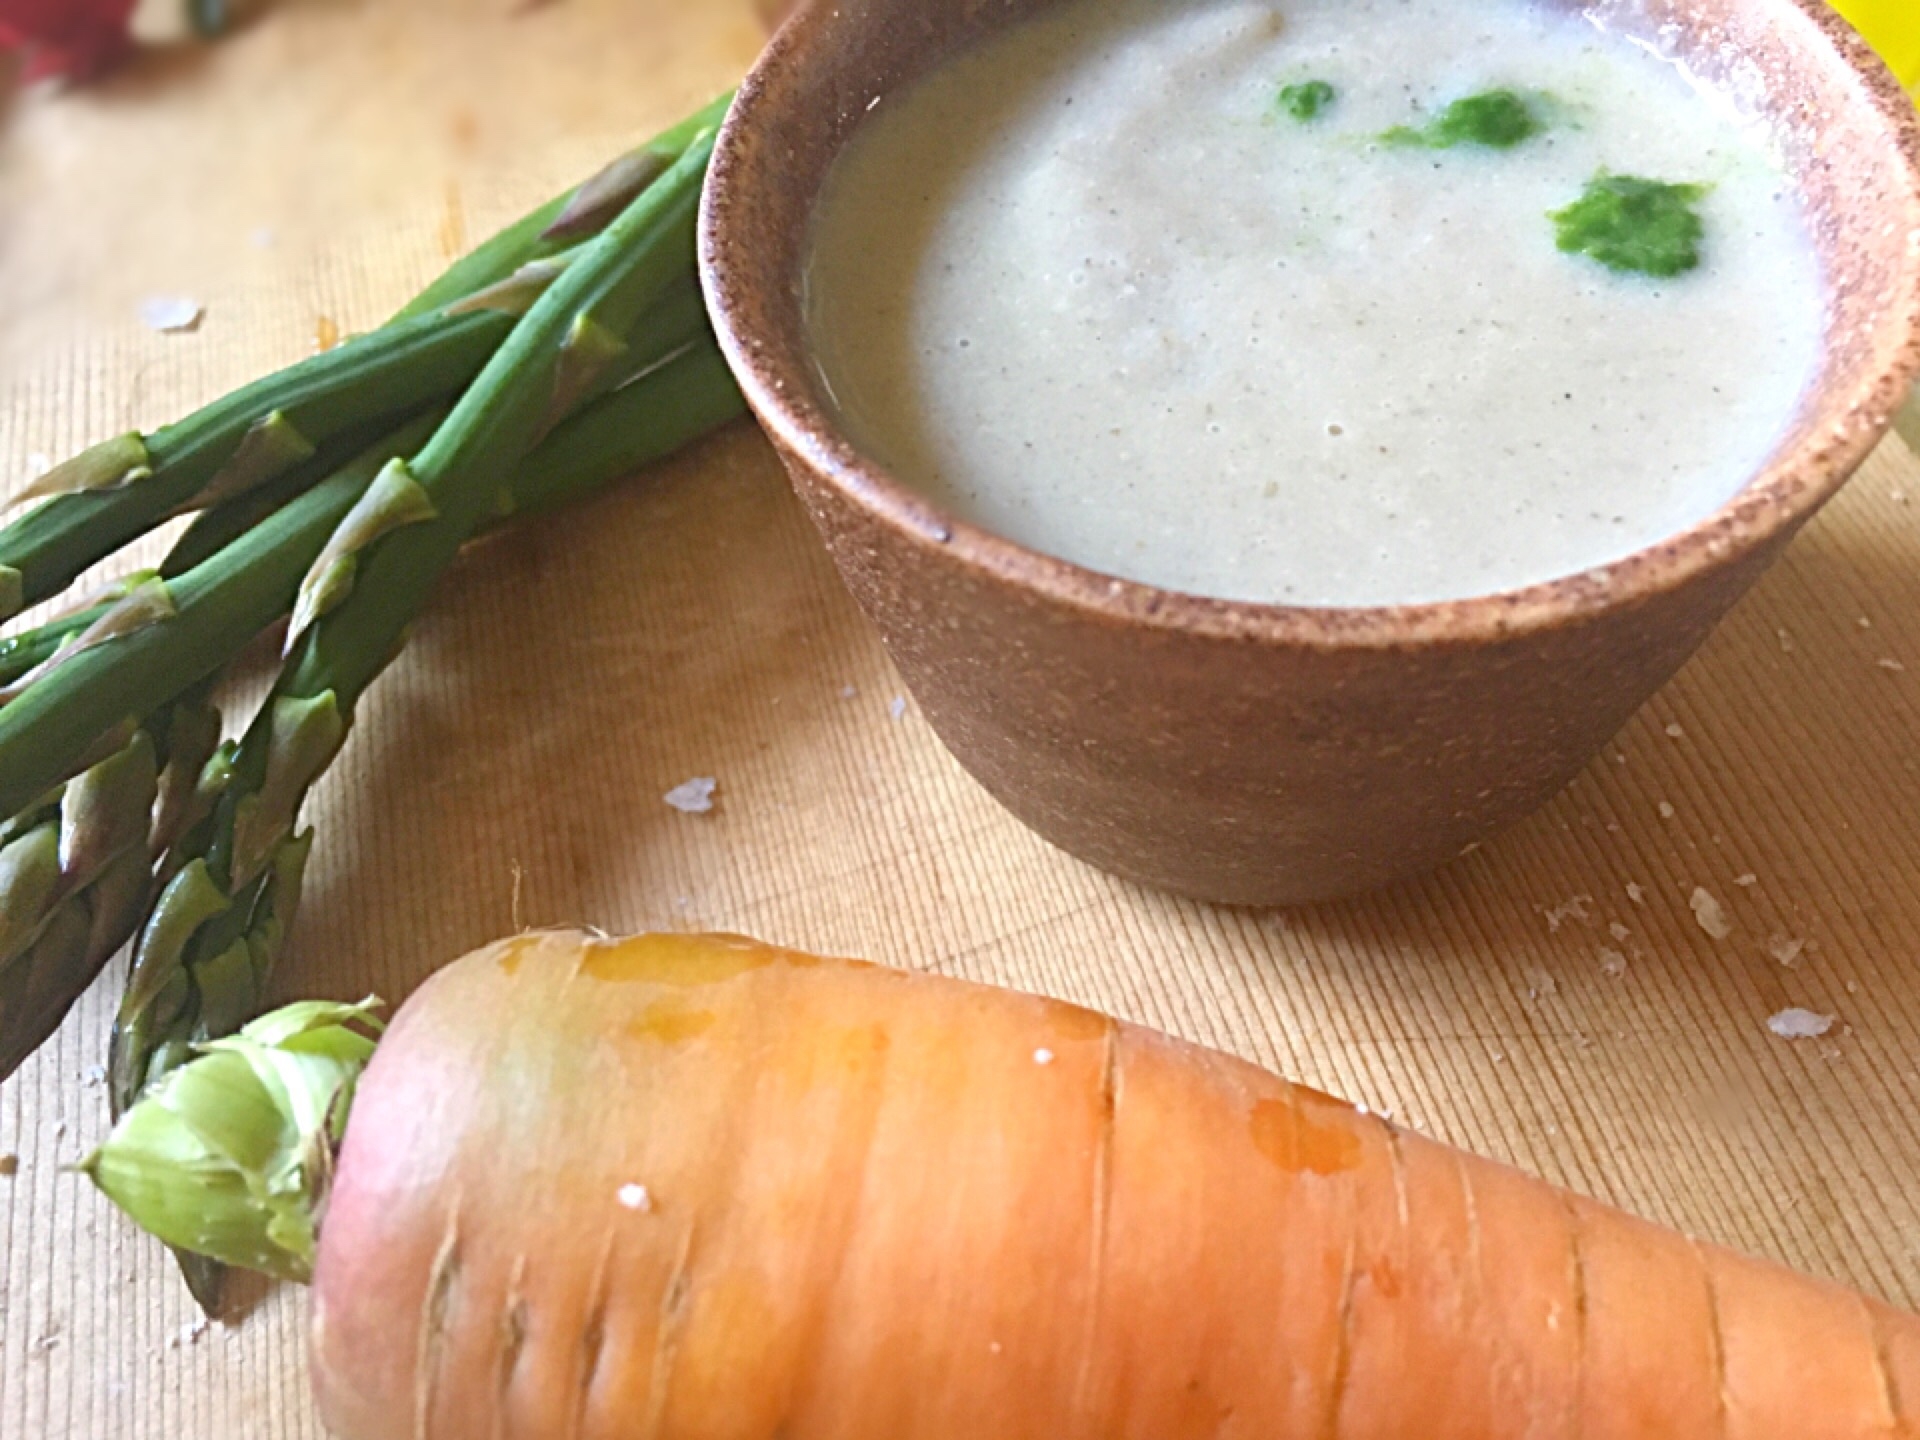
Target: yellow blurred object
1893 26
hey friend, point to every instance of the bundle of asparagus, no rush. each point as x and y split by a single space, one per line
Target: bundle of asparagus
567 351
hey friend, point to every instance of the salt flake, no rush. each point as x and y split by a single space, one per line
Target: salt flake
1612 962
1892 665
1746 881
1798 1024
1667 812
1618 931
1574 907
897 707
1676 732
636 1197
695 797
171 314
1786 949
1708 912
1636 893
1043 1057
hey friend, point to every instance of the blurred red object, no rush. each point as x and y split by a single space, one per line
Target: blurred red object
77 38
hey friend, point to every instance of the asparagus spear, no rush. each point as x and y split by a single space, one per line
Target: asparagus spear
362 592
49 963
271 430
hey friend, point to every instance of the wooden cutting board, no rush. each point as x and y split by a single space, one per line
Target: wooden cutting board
1552 999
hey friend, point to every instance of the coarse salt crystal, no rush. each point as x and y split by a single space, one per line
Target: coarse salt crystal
847 692
1612 961
1667 812
1636 893
1890 664
1786 949
635 1197
1675 731
1798 1024
1746 881
1618 931
171 314
695 797
1708 912
1043 1057
897 707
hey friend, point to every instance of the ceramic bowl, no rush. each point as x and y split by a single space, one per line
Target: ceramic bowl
1262 754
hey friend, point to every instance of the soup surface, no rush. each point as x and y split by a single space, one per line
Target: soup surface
1231 297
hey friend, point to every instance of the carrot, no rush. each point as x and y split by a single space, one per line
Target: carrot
704 1189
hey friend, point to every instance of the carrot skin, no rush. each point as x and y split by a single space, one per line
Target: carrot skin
689 1188
1651 1366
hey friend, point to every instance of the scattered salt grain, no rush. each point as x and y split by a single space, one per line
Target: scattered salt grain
1541 984
1574 907
1786 641
1746 881
1618 931
1890 664
1708 912
190 1333
1667 812
695 797
1786 949
171 314
1676 732
897 707
38 464
1636 893
993 1347
847 692
94 1075
1797 1024
635 1197
1612 961
1043 1057
1864 623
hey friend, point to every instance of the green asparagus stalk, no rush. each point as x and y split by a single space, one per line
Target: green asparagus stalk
271 430
204 938
619 434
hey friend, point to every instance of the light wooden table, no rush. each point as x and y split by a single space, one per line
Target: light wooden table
310 173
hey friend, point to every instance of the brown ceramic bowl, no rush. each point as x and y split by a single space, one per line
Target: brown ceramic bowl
1270 755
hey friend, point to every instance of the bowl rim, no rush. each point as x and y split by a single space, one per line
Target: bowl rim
1844 429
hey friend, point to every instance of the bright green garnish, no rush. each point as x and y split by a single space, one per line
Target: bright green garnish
1497 119
1306 100
1632 224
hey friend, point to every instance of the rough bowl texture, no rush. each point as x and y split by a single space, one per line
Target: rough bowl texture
1271 755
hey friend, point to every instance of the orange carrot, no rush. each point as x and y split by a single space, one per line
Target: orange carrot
699 1189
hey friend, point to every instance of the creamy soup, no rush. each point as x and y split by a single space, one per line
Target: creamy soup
1267 299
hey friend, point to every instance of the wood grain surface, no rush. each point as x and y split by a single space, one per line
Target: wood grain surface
1552 999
